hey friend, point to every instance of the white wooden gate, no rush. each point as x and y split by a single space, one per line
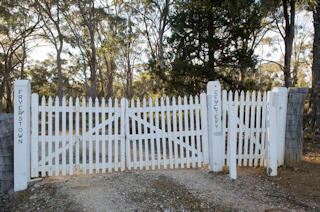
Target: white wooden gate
216 129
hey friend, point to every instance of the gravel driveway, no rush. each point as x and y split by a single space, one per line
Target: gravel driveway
158 190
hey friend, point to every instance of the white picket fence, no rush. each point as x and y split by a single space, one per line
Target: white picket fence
213 129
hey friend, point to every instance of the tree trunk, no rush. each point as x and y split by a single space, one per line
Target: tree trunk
315 92
242 77
93 77
288 39
287 61
60 91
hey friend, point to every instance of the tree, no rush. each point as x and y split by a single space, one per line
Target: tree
16 27
89 17
315 92
51 16
210 42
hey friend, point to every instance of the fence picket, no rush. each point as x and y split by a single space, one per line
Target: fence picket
134 141
241 129
43 132
263 132
252 129
180 133
186 131
116 136
230 102
123 145
145 132
169 132
77 134
197 111
64 135
153 162
103 132
70 136
204 127
97 141
110 135
84 137
246 136
57 141
50 136
156 106
35 136
90 137
258 115
224 116
193 159
164 148
174 134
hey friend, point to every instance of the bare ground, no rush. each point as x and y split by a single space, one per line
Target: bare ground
294 189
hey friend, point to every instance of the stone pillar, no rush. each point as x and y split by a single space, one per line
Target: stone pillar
294 126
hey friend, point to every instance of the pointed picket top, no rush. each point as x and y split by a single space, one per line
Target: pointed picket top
185 100
109 102
116 102
150 102
167 101
156 102
242 96
174 100
179 100
259 97
162 101
253 96
191 100
103 102
77 101
138 102
70 101
247 96
196 99
132 102
43 101
230 96
236 96
83 101
50 101
144 102
64 101
96 104
90 102
224 96
264 96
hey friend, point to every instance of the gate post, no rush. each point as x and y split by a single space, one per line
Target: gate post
272 137
22 99
232 140
216 144
280 100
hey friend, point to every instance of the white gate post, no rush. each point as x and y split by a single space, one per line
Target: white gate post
232 140
272 137
22 99
280 100
216 144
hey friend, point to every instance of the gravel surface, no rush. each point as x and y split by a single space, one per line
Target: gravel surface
157 190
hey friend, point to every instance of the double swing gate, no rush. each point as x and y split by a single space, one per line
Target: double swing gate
88 137
79 136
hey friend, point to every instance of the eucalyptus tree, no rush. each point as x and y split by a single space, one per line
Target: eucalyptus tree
17 25
53 26
315 94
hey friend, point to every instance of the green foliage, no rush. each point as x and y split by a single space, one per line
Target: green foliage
208 39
